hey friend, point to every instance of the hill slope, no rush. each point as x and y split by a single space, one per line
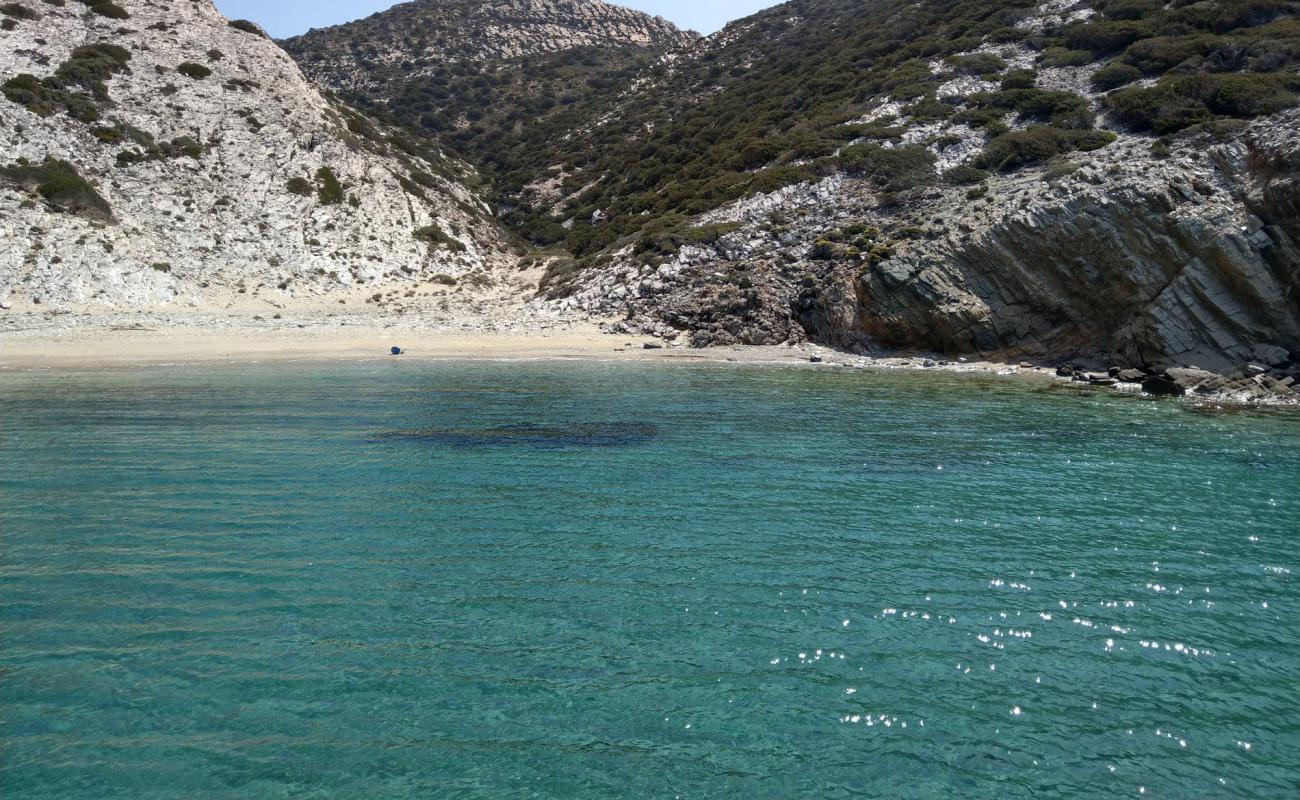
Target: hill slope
1111 179
157 153
496 80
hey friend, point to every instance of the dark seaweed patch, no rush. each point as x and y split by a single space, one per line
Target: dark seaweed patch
583 434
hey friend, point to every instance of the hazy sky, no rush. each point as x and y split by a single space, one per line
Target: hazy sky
288 17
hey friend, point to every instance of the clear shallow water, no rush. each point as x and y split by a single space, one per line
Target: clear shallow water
578 580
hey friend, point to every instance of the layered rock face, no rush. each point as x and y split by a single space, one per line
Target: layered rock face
1191 261
156 154
423 37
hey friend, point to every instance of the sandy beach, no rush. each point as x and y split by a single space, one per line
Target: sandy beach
45 341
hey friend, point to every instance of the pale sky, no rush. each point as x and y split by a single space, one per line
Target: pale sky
290 17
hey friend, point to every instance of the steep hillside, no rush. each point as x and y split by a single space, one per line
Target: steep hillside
497 80
423 37
979 177
157 153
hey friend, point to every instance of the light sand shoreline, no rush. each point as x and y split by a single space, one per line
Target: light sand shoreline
112 343
94 344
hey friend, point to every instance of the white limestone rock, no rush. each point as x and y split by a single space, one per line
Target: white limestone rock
221 218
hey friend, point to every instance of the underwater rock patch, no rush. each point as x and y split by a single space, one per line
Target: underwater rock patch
584 434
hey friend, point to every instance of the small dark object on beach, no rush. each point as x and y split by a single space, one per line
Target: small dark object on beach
397 351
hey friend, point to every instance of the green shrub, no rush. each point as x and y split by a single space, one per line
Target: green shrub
192 70
1105 37
61 186
328 188
92 64
248 26
1059 167
1114 76
1037 144
976 64
181 146
18 11
1064 57
1019 79
1129 9
436 237
1159 55
1088 141
409 186
769 180
33 94
893 168
929 109
300 186
963 174
106 9
86 68
708 234
1182 101
822 250
1061 109
758 153
1249 14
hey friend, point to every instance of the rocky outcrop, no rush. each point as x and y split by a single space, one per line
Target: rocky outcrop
161 155
1176 266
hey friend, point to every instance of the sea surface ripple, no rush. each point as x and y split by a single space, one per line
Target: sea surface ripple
568 580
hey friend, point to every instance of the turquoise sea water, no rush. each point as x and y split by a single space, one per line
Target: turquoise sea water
400 580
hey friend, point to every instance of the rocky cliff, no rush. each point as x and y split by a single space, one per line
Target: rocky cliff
1190 259
157 153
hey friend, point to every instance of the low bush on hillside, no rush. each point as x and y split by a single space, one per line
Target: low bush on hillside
1019 79
976 64
437 237
248 26
891 168
300 186
18 11
60 185
1114 76
105 8
1061 109
90 65
146 148
86 69
192 70
1182 101
328 188
1037 144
